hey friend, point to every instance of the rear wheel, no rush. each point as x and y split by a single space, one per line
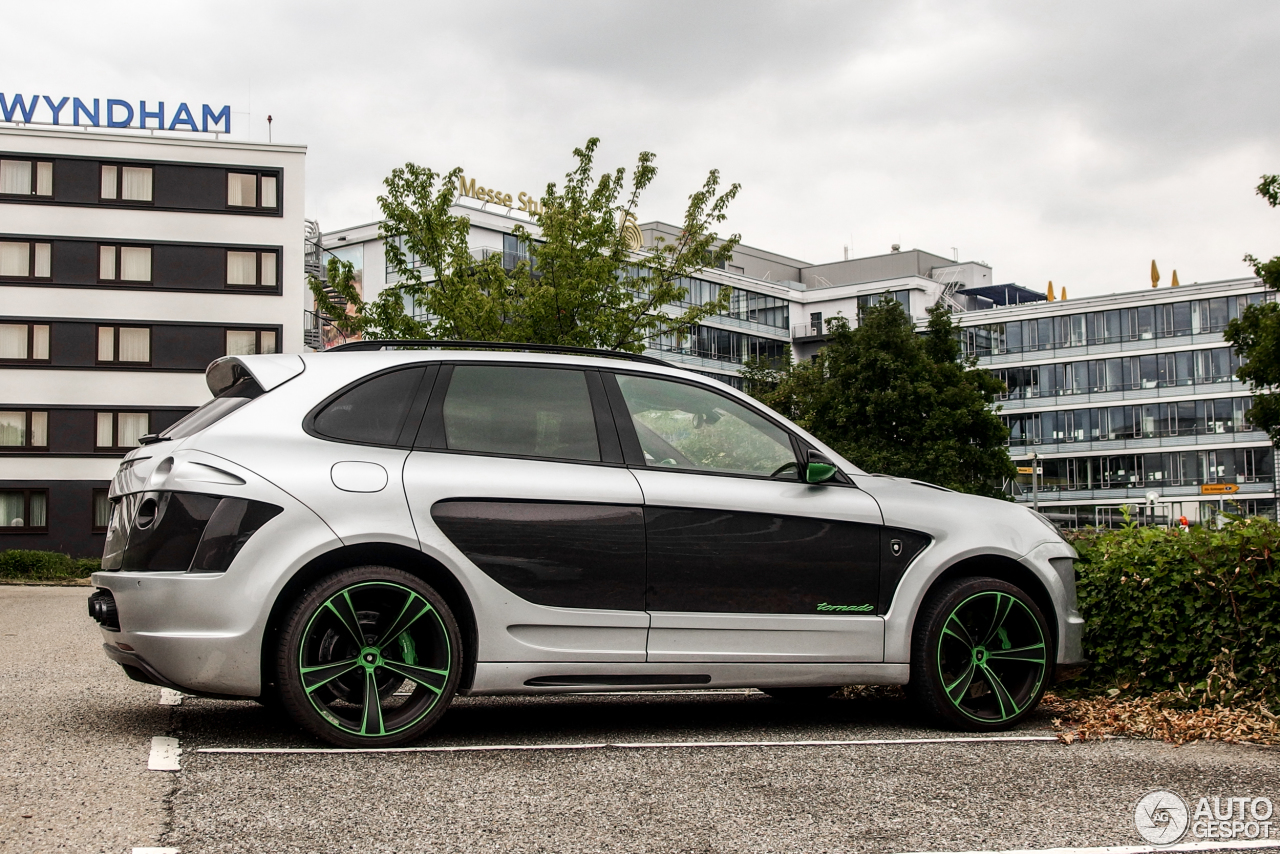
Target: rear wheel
981 654
369 657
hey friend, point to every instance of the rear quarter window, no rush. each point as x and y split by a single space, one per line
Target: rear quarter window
373 412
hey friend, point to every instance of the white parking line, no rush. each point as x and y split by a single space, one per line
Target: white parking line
155 851
1208 845
170 697
631 745
164 754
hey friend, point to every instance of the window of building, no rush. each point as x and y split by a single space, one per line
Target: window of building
126 183
120 430
23 260
124 344
250 342
26 177
124 263
24 342
249 267
24 429
252 190
518 411
24 510
101 511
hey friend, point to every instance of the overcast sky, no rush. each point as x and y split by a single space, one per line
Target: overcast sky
1068 141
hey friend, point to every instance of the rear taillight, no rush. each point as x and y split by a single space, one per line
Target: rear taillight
181 531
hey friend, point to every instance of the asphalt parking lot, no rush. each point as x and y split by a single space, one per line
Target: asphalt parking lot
76 738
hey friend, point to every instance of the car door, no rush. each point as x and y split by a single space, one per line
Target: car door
517 477
746 561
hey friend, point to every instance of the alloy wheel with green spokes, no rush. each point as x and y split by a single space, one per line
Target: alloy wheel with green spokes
374 658
992 657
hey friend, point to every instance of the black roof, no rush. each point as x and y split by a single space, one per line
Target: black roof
1009 294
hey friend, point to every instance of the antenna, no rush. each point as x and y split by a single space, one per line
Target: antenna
955 252
268 128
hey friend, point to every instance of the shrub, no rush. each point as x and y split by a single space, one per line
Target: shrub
1165 608
44 566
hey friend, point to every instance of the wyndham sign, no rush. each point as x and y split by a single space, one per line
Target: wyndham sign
115 113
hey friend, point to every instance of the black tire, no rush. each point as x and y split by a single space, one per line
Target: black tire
408 650
981 655
799 695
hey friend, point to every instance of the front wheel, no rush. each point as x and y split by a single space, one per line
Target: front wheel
981 654
369 657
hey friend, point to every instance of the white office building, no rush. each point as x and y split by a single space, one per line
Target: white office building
128 262
1125 400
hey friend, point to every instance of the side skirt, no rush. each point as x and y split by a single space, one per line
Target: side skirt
507 677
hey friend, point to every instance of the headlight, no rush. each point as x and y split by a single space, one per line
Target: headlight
1048 524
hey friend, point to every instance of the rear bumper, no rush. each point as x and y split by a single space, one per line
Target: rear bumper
139 669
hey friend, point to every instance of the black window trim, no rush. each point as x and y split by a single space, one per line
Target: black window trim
115 414
277 171
115 345
257 340
31 260
26 512
120 200
258 174
94 527
35 178
635 456
28 447
257 285
31 342
116 247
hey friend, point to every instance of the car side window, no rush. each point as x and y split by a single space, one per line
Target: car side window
683 426
373 412
519 411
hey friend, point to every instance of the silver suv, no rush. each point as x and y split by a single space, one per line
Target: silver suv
361 535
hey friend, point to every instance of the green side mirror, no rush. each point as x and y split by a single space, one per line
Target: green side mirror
819 469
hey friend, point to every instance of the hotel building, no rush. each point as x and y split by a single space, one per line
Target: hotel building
128 262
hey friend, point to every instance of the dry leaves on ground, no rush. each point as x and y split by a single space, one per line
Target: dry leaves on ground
1160 717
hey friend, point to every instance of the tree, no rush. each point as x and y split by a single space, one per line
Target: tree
1255 336
583 283
898 403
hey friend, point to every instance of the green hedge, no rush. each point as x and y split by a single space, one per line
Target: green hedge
1166 608
44 566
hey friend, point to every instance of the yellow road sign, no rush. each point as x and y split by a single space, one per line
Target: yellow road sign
1219 489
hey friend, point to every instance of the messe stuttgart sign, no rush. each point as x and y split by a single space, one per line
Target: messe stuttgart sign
111 113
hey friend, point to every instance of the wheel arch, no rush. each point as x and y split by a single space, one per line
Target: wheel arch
375 554
1005 569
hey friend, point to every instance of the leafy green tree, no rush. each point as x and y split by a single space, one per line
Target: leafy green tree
1255 336
895 402
582 283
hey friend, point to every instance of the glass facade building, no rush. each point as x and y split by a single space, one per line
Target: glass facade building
1128 400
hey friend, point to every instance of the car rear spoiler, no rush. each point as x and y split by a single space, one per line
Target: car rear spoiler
268 371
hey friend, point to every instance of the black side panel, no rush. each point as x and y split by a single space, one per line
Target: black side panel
758 563
189 266
564 555
201 188
73 345
189 348
75 262
76 181
898 547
